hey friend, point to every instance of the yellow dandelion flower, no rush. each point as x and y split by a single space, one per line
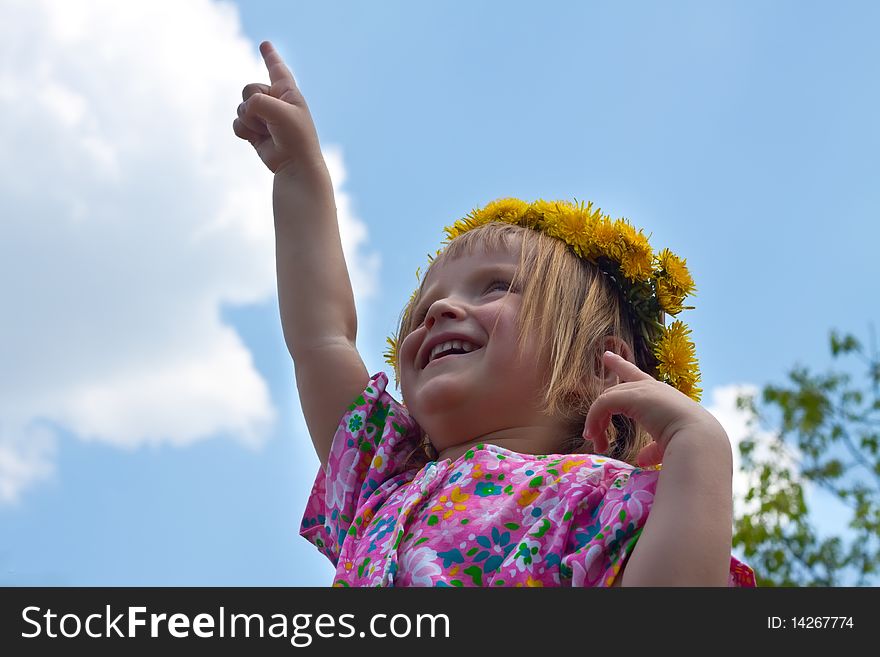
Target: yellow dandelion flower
593 216
533 217
566 222
582 235
606 240
391 353
677 361
688 385
670 298
508 210
543 208
676 271
625 230
675 350
637 259
459 227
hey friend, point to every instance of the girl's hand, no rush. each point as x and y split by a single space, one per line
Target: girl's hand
660 409
276 121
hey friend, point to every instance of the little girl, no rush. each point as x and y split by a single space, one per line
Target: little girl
541 390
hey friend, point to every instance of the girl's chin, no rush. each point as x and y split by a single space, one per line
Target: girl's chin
441 393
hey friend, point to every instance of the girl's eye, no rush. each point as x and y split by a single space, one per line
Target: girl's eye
496 283
493 285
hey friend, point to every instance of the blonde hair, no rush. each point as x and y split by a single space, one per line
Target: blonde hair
571 307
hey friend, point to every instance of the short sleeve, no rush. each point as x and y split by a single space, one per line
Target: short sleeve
368 453
612 530
741 575
607 531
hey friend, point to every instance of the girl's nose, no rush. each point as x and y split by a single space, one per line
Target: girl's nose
442 308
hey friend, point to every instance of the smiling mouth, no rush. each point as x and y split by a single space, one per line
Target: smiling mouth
444 357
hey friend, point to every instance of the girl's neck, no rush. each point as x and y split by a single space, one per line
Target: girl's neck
525 440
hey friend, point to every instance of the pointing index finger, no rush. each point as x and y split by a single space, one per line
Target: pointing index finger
278 71
626 370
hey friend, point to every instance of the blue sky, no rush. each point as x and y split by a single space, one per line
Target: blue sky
150 431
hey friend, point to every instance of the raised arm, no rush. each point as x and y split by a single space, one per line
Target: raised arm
316 302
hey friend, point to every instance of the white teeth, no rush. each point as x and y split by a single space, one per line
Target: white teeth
451 344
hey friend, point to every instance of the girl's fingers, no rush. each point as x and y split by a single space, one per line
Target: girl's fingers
610 402
249 120
283 86
267 110
241 130
254 88
623 368
278 71
600 441
617 399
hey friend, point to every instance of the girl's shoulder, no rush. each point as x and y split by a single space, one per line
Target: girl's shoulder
375 427
377 407
368 460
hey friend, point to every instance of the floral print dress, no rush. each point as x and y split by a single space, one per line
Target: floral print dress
492 517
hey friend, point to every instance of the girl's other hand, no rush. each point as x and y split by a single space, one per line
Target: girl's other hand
276 121
660 409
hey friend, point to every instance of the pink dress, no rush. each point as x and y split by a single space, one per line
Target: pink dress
490 518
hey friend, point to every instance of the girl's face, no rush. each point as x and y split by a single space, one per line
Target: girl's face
486 394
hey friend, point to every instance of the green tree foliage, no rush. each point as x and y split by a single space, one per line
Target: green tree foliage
825 434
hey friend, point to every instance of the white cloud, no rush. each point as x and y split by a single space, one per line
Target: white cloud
363 269
26 457
131 212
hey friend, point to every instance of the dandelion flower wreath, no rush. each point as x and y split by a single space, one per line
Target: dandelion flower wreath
650 283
